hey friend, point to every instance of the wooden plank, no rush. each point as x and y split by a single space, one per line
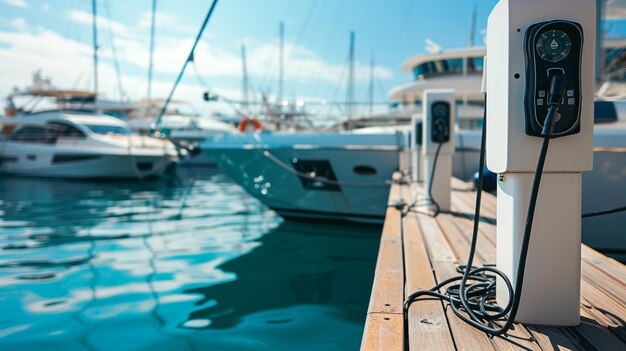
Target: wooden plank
465 336
384 323
444 262
417 251
458 232
605 310
609 265
554 338
383 331
488 204
388 289
604 272
464 206
427 322
593 335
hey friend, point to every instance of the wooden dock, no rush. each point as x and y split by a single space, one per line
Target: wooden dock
417 250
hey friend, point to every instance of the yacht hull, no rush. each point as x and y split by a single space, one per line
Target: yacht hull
84 165
330 183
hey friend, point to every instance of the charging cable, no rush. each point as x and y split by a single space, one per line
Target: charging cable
430 200
472 297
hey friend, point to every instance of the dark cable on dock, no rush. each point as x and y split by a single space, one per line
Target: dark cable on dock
431 200
475 303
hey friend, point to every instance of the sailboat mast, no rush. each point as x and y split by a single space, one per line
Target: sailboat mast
244 82
371 87
95 50
151 64
281 67
350 90
473 28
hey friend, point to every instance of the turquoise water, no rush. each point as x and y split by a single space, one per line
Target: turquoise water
189 262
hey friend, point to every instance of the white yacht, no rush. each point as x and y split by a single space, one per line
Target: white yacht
337 155
333 176
80 144
345 176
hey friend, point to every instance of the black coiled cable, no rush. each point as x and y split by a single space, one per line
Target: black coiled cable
472 299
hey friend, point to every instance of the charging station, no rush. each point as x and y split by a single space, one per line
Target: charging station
541 61
438 117
416 154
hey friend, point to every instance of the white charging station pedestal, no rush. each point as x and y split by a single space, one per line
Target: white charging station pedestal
441 182
416 146
551 287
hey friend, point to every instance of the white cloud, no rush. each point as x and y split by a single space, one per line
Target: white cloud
301 64
17 3
86 18
69 62
164 20
45 7
18 23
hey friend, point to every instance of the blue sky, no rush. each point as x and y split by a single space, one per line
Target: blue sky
55 36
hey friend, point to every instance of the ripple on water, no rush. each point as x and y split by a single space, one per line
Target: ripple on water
173 264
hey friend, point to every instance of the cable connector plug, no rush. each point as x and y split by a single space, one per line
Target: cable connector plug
555 99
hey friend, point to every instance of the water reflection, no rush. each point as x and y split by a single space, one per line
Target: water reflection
188 262
296 265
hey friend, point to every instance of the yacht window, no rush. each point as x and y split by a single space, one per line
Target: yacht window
453 66
33 134
475 64
67 131
450 66
424 70
107 129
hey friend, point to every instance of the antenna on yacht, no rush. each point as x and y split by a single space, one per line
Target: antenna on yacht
244 82
95 50
432 47
150 64
281 34
350 89
473 27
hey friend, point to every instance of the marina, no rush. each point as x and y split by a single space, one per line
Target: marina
313 175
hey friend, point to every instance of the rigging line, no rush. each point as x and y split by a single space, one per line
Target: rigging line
116 62
269 74
340 81
182 71
199 76
403 28
299 38
380 87
310 39
327 48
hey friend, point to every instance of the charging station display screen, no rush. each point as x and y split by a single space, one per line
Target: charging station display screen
553 48
554 45
440 130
